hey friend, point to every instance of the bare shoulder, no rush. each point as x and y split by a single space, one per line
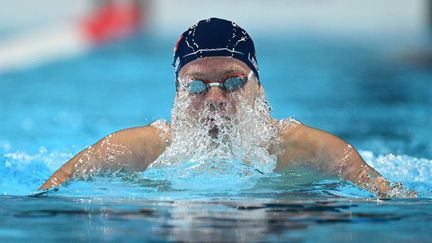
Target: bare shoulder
157 131
153 137
300 144
139 146
288 143
294 133
291 132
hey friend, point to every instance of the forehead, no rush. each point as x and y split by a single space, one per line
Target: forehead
213 66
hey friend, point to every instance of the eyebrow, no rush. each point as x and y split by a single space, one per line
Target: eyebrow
229 71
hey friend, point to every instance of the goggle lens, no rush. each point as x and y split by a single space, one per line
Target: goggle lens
197 86
230 84
234 83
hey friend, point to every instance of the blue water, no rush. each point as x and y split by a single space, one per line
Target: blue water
369 93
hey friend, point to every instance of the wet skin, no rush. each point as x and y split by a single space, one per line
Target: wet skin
298 145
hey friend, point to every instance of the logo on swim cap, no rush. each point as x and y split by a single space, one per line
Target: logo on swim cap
214 37
177 44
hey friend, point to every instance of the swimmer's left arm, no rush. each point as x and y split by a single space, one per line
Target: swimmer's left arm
332 155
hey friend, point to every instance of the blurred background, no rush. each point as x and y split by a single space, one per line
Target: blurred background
26 29
74 71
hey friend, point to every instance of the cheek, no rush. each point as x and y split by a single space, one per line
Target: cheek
196 103
195 107
249 95
232 103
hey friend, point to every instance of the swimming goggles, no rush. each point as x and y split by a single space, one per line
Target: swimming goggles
230 83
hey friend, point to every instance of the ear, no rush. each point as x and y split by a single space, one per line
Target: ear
260 90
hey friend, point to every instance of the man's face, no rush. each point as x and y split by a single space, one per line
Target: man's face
216 102
220 125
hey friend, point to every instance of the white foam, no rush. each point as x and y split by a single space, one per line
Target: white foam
414 173
53 160
244 138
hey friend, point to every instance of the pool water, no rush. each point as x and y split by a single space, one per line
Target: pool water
368 93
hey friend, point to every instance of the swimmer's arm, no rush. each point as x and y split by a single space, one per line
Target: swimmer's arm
131 149
331 155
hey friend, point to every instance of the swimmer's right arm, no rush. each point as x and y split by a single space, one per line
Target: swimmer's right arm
131 150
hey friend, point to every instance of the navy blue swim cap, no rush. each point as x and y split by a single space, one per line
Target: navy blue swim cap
214 37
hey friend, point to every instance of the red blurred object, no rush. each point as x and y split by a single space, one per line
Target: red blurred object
112 21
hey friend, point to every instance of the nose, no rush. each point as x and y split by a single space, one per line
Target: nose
216 98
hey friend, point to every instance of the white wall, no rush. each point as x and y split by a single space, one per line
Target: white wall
170 17
23 15
358 17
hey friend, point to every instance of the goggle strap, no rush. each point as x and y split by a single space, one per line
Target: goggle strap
250 75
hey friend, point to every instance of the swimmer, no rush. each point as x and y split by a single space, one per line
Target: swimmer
221 111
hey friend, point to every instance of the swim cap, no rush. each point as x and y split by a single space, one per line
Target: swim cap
214 37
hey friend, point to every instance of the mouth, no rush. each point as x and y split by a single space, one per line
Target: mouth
217 121
214 131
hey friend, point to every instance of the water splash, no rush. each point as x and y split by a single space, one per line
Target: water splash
238 131
414 173
21 172
219 176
